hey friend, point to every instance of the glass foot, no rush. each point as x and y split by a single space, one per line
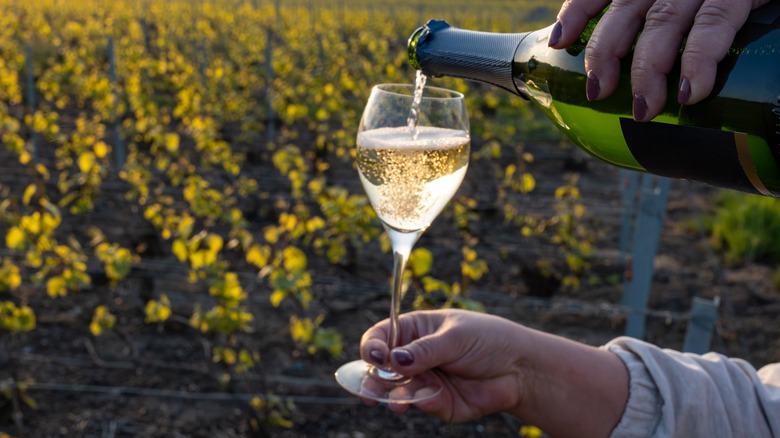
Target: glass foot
367 381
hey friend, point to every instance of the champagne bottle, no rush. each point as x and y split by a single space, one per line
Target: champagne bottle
731 139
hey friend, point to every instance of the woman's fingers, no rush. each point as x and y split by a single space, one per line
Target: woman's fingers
714 27
373 345
667 22
424 343
610 42
572 19
708 28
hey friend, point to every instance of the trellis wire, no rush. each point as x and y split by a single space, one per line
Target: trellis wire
187 395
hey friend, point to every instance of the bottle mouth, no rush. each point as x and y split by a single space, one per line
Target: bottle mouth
417 37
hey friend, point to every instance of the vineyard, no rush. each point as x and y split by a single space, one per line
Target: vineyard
187 251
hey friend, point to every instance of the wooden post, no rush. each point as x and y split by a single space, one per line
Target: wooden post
119 147
202 65
628 183
269 79
698 337
312 17
28 60
647 233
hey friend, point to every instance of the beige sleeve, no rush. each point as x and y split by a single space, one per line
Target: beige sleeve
673 394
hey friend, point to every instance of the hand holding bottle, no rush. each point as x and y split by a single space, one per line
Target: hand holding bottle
489 364
708 27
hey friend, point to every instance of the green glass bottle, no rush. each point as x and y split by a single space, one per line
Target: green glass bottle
730 140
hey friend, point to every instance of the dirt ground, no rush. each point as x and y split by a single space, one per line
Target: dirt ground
158 380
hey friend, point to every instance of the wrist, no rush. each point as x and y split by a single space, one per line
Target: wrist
570 389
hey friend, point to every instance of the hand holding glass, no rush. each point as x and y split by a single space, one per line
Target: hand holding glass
410 171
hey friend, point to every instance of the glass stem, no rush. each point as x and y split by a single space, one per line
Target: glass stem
402 246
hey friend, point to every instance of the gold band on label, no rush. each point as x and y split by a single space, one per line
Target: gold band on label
746 160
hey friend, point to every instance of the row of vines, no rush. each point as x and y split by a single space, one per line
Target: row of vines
223 129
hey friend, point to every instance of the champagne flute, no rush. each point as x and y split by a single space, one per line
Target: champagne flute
412 154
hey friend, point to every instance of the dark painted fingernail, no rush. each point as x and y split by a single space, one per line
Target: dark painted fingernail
640 107
403 357
377 356
685 91
555 34
592 88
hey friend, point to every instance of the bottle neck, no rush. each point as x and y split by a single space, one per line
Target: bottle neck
439 49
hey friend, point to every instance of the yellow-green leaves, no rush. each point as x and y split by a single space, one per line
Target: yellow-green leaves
258 255
16 239
84 148
242 360
289 161
35 229
310 334
437 293
204 200
56 287
16 318
348 221
158 311
221 319
117 261
201 252
102 320
275 409
204 252
172 142
86 162
10 276
420 261
301 330
289 277
29 192
228 290
472 266
293 259
61 268
522 182
530 432
44 123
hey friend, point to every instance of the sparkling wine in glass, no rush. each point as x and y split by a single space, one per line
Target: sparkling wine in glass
412 155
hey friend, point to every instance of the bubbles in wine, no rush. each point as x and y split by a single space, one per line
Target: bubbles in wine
409 181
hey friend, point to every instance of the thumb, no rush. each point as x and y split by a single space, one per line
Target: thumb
373 345
425 353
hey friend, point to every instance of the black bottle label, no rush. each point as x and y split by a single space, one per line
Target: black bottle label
719 158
